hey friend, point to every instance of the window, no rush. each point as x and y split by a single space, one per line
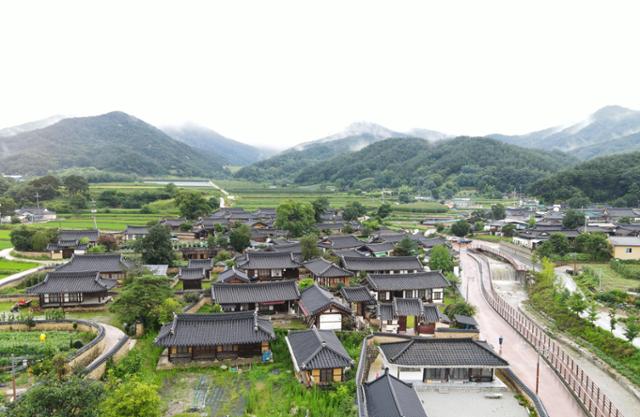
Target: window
435 374
421 294
459 373
437 295
628 250
326 375
276 272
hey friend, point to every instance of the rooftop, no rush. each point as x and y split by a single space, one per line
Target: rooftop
387 263
103 262
267 260
315 299
317 349
322 268
257 292
388 396
412 281
68 282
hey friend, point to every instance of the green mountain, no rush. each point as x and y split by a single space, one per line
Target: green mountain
614 179
460 162
610 130
209 141
114 142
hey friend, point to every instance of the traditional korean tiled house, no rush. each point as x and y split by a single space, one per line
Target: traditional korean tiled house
434 360
338 242
110 265
268 266
385 265
71 289
72 242
318 356
217 336
387 396
358 298
135 233
410 316
377 249
233 276
427 285
267 297
321 308
465 322
191 278
197 252
206 264
327 274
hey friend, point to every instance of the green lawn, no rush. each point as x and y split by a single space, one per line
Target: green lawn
11 267
611 280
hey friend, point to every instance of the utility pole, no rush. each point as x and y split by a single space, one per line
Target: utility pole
37 199
13 376
93 212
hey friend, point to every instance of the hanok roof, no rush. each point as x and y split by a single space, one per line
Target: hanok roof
201 263
231 273
432 314
358 294
317 349
411 281
624 241
402 307
136 230
350 253
388 396
466 320
315 299
71 235
341 242
173 222
429 243
387 263
320 267
70 282
257 292
267 260
377 247
191 274
407 307
103 262
216 329
438 353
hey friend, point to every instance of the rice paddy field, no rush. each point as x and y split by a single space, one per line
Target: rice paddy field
8 267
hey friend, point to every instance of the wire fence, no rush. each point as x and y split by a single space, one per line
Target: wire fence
584 389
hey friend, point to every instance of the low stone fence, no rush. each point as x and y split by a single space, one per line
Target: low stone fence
97 368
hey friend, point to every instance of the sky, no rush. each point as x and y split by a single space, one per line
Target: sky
276 73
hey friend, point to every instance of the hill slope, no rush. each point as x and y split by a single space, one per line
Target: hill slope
595 136
29 126
113 142
464 162
286 165
205 139
604 179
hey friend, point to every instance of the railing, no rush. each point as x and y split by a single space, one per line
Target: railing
516 263
583 388
361 378
537 403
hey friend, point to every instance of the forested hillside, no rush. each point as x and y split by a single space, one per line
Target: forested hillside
115 142
461 162
613 179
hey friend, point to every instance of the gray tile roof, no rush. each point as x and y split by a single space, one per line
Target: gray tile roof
70 282
315 299
407 307
377 247
267 260
136 230
432 314
411 281
191 274
201 263
388 396
359 294
411 307
257 292
387 263
230 273
215 329
318 349
320 267
341 242
91 234
466 320
349 253
624 241
385 311
437 353
103 262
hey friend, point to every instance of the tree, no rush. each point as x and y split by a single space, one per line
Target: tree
592 312
320 206
40 240
156 247
131 398
46 187
167 309
21 238
578 201
76 397
508 230
305 283
624 220
75 184
612 318
463 308
240 237
108 242
573 219
478 226
296 217
7 206
557 244
309 247
139 299
171 190
596 245
192 204
214 202
632 328
405 247
404 198
460 228
440 259
577 303
498 212
353 210
384 210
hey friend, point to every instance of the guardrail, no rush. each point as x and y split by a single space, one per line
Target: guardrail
584 389
360 379
110 353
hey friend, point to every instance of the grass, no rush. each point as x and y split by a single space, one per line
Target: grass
27 343
610 279
8 267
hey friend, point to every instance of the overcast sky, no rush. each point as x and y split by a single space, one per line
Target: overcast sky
281 72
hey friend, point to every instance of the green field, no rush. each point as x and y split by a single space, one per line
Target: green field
610 279
11 267
28 343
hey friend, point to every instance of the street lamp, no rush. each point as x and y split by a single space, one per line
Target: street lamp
500 341
542 351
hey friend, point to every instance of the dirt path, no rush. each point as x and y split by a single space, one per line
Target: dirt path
521 356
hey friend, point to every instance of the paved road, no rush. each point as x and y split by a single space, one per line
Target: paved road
520 355
112 336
